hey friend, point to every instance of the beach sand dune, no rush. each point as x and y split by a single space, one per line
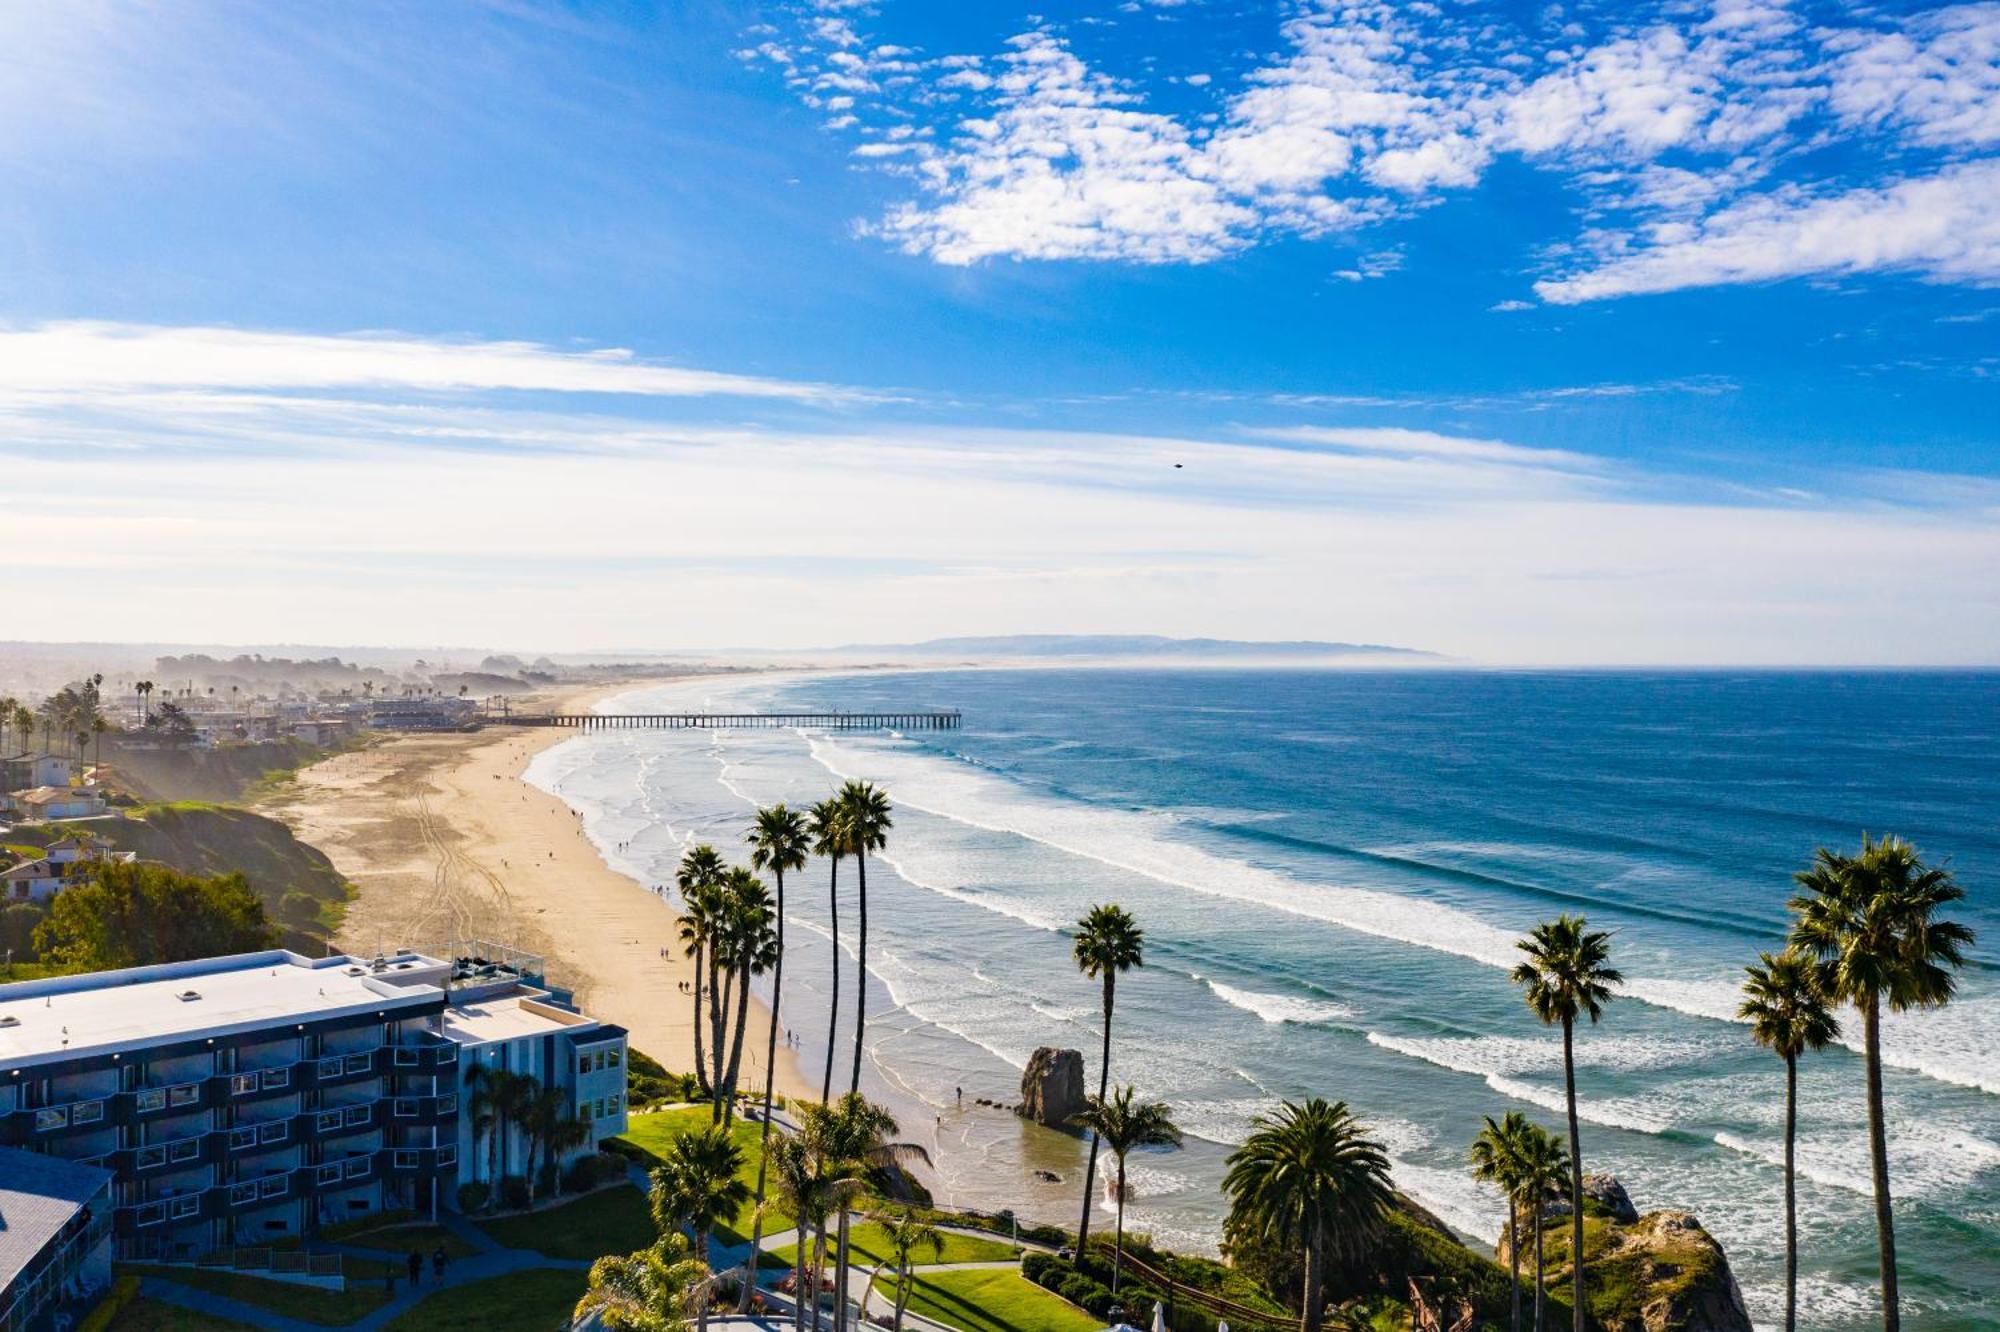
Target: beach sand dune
443 840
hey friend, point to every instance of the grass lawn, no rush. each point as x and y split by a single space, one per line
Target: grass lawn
868 1244
535 1301
144 1315
311 1304
652 1132
992 1301
614 1220
423 1239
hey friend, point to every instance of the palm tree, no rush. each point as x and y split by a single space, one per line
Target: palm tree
795 1169
1124 1125
866 810
647 1291
906 1232
752 950
1496 1160
700 870
1788 1014
552 1128
852 1139
1308 1176
1108 941
695 1186
779 843
1568 975
828 827
1871 922
482 1110
512 1095
1543 1167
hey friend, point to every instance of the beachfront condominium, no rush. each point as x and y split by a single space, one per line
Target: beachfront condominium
249 1099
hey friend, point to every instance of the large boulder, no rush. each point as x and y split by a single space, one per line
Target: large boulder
1606 1191
1052 1086
1661 1273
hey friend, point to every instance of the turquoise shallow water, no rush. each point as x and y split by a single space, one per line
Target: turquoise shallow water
1331 868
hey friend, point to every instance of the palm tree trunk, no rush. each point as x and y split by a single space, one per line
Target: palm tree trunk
840 1277
1541 1316
902 1294
700 1059
1878 1156
832 995
1514 1257
1311 1313
861 969
1791 1196
736 1048
799 1252
1103 1086
1575 1182
718 1000
770 1074
701 1304
1118 1247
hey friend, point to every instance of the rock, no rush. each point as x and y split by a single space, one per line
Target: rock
1048 1176
1663 1273
1606 1190
1052 1086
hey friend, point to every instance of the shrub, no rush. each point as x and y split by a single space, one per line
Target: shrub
473 1196
298 908
1041 1267
514 1192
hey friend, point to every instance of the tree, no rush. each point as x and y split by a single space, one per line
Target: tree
1496 1160
172 725
647 1291
1108 941
1568 975
1871 921
851 1138
1544 1179
865 812
695 1186
779 843
138 914
750 948
700 870
1124 1123
796 1171
828 826
1308 1178
18 921
906 1232
552 1128
1786 1006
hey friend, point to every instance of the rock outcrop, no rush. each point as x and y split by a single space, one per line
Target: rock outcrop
1052 1086
1607 1192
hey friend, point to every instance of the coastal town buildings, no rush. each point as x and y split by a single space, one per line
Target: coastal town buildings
251 1099
64 863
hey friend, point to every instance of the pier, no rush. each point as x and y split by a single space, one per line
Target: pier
731 721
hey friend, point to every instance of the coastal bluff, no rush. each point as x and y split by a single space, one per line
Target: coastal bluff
1052 1087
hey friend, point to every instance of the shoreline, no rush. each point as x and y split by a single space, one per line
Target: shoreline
444 838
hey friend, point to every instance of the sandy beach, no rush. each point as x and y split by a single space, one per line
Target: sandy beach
443 840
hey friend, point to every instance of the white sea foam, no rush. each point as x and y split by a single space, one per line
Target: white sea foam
1278 1008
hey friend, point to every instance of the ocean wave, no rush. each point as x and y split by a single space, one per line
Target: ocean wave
1278 1008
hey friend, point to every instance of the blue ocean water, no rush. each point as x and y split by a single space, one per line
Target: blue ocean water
1331 868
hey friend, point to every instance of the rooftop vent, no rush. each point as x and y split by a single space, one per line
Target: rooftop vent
188 996
354 971
10 1021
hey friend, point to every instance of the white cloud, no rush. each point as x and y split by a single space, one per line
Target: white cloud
1939 76
90 356
1943 227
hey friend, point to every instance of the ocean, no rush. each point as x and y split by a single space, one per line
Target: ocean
1331 868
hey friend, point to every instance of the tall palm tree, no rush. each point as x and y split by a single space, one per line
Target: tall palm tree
1543 1180
795 1170
906 1232
552 1128
695 879
1787 1009
481 1110
853 1140
779 843
647 1291
1567 975
1871 921
1308 1177
752 951
1496 1160
866 808
7 702
827 825
695 1186
1123 1123
1108 941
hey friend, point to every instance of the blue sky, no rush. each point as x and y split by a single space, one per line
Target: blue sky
1522 332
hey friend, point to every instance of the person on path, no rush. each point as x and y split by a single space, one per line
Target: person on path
415 1262
438 1260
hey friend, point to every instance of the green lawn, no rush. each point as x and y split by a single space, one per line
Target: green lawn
423 1239
537 1301
614 1220
144 1315
652 1132
867 1244
311 1304
992 1301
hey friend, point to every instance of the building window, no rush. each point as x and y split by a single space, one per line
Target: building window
243 1193
447 1054
152 1214
187 1093
357 1114
406 1160
187 1149
329 1120
149 1100
277 1077
357 1167
406 1109
240 1139
329 1174
360 1063
182 1208
407 1057
149 1158
87 1112
329 1068
54 1117
272 1187
614 1055
447 1104
447 1156
242 1084
273 1132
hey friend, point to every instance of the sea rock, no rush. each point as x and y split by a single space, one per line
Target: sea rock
1606 1190
1661 1273
1052 1086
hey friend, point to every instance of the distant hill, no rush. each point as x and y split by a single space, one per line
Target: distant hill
1152 646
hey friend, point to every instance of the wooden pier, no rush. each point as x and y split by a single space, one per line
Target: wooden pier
732 721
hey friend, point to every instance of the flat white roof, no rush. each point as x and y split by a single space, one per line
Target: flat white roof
38 1197
69 1016
502 1018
